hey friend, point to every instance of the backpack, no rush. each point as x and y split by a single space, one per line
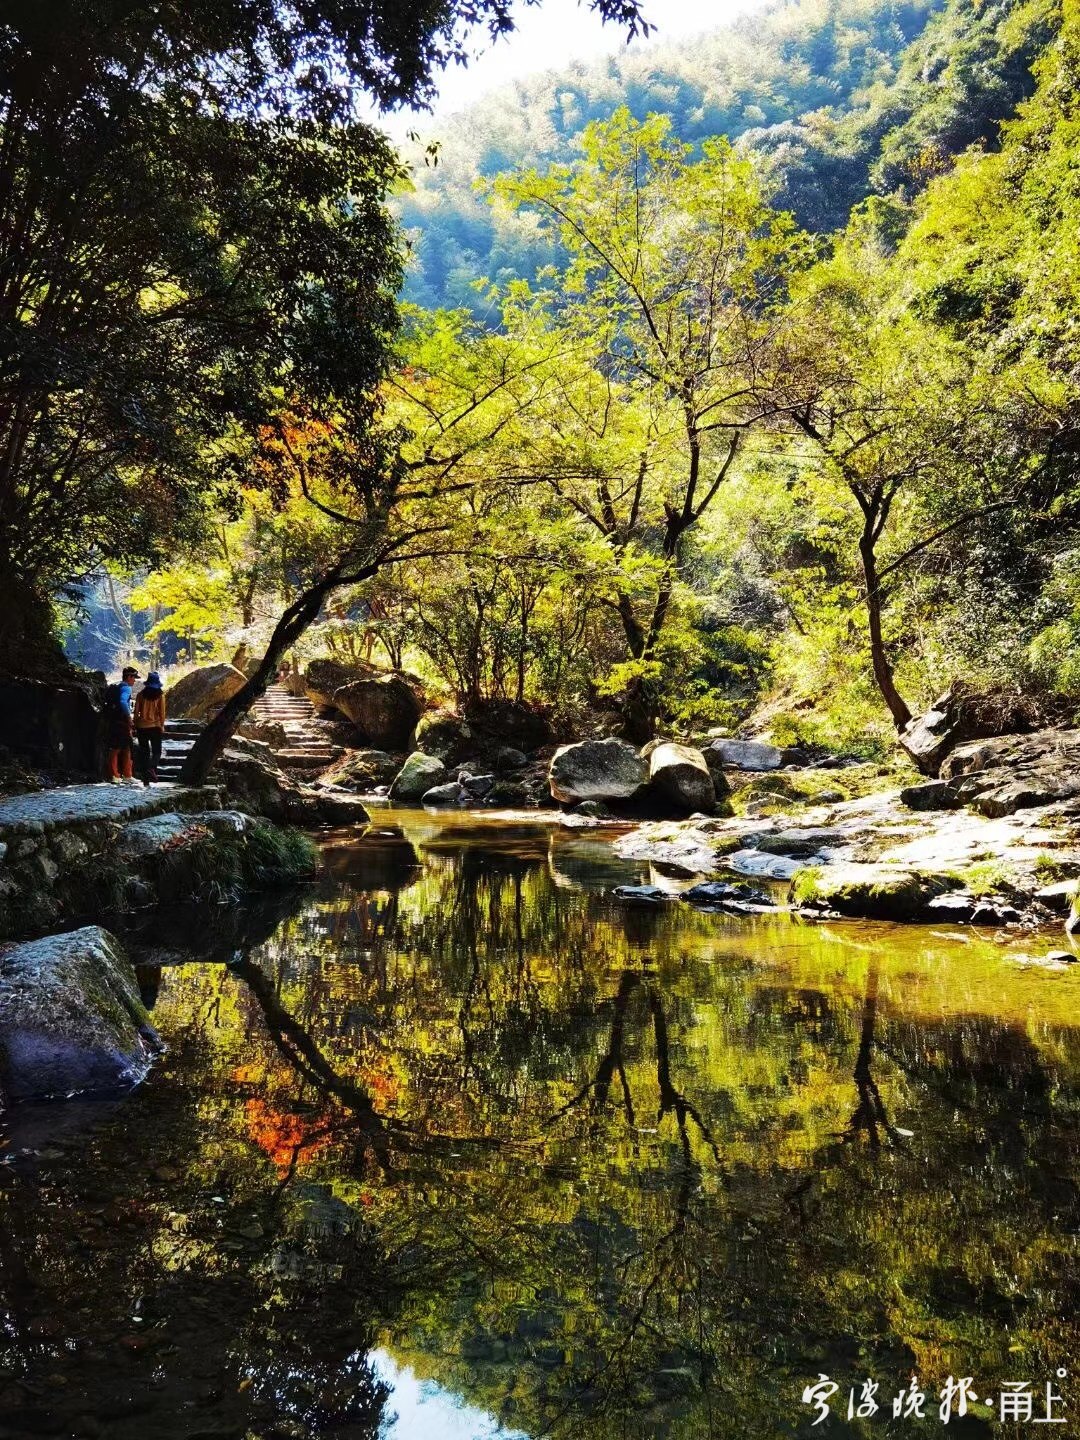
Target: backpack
114 706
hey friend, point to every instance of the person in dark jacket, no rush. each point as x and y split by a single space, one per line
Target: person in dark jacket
118 725
150 726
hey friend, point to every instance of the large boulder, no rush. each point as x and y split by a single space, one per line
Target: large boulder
679 777
929 737
960 715
750 755
70 1017
444 734
200 694
324 678
362 771
596 770
999 776
419 774
384 709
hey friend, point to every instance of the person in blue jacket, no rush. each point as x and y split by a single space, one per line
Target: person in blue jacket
120 733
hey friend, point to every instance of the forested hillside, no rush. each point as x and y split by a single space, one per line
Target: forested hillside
745 395
838 99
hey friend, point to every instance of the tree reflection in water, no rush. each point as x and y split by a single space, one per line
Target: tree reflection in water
599 1172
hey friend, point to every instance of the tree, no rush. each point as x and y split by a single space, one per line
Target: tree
671 300
924 437
384 479
191 219
164 271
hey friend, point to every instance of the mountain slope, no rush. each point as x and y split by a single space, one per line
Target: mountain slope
840 98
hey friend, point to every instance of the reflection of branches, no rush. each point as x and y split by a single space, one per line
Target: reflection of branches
298 1048
611 1063
673 1101
870 1111
869 1117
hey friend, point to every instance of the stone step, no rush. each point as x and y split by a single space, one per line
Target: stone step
305 759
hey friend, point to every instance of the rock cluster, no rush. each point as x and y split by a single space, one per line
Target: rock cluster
1004 774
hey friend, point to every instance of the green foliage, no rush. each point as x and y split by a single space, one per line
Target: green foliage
776 79
217 868
806 884
986 877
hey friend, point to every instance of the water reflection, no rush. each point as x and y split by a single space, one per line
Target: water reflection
458 1139
423 1410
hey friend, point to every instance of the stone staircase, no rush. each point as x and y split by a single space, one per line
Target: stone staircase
180 736
307 749
306 752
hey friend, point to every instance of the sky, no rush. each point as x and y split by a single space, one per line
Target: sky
549 36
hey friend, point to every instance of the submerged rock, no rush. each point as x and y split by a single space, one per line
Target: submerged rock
723 895
419 774
643 894
596 770
70 1017
451 794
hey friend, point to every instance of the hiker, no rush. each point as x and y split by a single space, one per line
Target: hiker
150 726
118 723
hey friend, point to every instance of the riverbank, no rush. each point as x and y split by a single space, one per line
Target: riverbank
880 856
104 852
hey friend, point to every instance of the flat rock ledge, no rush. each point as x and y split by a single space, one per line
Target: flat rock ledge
72 806
879 858
100 851
71 1020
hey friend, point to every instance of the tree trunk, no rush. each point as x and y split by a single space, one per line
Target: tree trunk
898 706
220 730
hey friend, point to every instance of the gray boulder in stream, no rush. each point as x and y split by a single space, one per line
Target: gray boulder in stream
680 778
70 1017
596 770
451 794
419 774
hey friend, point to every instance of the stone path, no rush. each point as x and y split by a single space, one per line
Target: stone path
307 747
43 810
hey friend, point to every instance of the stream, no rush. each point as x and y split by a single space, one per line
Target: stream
457 1145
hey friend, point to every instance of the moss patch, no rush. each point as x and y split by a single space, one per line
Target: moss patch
869 892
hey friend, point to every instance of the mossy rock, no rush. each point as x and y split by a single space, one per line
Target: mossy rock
70 1017
869 892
